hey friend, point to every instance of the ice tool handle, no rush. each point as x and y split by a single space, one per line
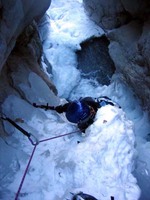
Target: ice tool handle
31 137
46 107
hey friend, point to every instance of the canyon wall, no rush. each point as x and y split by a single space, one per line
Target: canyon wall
127 26
21 52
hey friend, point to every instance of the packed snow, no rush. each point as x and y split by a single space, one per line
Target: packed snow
102 162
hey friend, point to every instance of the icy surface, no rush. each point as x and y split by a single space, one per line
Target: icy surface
100 163
104 157
68 29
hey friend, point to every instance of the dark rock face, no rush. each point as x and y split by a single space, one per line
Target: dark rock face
107 13
111 14
24 59
129 51
15 15
22 75
94 60
20 53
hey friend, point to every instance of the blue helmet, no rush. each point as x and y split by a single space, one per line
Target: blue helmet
77 111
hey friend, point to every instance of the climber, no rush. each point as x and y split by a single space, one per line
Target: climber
81 112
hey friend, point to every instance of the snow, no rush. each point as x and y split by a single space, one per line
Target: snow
68 29
102 162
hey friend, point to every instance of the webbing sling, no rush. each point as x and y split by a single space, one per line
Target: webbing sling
30 136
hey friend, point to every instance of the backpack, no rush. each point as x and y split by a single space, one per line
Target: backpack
104 100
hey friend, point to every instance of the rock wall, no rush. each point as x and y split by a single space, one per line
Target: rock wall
24 58
129 49
15 15
127 26
22 74
111 14
94 60
21 50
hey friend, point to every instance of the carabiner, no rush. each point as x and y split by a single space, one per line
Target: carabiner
34 141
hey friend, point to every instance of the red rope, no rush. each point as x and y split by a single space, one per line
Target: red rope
24 175
55 137
33 151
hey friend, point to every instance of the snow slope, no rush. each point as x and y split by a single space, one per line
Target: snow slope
103 158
